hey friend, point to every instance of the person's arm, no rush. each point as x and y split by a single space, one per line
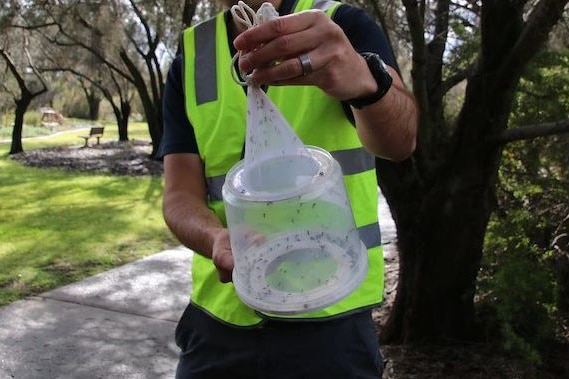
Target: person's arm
187 215
387 128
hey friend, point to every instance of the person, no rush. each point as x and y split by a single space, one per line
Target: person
336 85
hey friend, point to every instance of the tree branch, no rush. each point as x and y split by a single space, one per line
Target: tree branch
35 71
458 77
380 15
531 132
13 69
415 20
535 32
79 43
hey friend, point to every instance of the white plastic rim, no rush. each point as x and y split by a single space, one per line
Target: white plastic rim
235 182
276 302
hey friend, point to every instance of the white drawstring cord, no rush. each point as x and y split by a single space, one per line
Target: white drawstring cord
245 15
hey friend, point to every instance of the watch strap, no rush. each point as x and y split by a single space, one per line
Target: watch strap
384 80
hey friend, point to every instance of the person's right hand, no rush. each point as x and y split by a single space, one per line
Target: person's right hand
222 256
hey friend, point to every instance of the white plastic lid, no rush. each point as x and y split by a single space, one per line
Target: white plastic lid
282 177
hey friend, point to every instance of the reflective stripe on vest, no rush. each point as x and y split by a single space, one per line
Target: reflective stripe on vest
205 76
216 108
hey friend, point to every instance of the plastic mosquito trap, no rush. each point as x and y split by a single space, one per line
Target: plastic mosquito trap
295 245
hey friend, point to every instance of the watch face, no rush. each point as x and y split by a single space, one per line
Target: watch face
382 63
378 62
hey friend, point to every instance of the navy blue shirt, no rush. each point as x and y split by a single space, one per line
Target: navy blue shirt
362 31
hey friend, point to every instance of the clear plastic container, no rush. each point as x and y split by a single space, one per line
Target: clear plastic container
295 245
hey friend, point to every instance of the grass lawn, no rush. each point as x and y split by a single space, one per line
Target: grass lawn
58 227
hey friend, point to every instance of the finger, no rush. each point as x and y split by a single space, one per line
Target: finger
224 264
224 260
225 276
286 70
291 71
266 32
257 240
282 48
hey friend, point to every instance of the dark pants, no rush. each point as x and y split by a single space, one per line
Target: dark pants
344 348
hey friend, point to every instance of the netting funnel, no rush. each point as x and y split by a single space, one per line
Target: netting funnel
275 158
295 244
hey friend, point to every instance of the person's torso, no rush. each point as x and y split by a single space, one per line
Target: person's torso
217 108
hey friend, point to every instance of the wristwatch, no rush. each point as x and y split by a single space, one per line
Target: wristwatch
382 77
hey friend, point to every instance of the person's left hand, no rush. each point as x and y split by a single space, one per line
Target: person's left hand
335 66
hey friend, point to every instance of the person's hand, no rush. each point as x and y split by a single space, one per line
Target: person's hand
222 256
276 50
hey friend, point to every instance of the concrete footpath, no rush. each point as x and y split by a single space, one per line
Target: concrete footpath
118 324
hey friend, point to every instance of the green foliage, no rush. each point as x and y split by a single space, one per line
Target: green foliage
32 118
518 279
465 47
543 94
519 283
75 106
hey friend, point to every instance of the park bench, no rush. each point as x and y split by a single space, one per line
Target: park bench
95 132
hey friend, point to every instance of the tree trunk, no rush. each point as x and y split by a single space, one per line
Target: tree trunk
94 103
21 108
122 120
442 198
152 105
441 230
154 120
440 243
121 115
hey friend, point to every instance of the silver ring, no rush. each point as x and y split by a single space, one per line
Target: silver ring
305 64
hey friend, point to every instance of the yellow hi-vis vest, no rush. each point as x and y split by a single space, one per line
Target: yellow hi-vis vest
217 109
